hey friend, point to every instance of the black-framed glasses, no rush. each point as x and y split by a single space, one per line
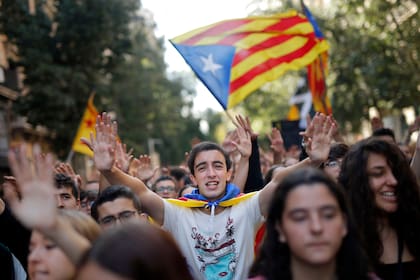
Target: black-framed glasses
122 217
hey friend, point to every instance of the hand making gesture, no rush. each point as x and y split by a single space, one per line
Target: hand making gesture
33 203
318 137
103 146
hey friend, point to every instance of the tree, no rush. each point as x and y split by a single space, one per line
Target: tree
67 48
374 58
71 48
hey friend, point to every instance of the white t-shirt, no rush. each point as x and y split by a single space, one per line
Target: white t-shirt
219 247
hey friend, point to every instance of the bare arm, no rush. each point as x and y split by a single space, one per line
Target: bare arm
318 138
244 147
36 208
103 147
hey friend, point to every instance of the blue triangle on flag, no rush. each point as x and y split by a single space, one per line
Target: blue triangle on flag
212 65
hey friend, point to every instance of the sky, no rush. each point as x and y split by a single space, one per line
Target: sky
175 17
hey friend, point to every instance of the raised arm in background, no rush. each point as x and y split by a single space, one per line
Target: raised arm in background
35 206
103 146
317 137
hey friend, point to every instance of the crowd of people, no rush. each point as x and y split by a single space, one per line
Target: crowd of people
326 210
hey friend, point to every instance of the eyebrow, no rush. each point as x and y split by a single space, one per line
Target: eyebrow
205 162
322 208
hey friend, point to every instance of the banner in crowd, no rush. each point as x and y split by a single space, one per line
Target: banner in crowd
87 125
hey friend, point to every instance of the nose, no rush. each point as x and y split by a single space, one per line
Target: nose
315 224
211 172
59 202
34 255
391 179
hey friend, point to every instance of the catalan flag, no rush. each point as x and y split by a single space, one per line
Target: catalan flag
87 125
317 71
235 57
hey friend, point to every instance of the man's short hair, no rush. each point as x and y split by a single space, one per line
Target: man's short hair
384 132
163 178
64 181
112 193
206 146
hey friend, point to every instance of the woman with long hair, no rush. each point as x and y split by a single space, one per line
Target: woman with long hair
309 232
384 196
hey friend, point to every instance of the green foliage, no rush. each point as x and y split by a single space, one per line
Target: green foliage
70 48
374 58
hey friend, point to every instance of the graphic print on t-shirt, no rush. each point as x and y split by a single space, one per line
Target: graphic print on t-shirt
216 252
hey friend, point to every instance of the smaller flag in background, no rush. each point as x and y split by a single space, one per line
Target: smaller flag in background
317 71
87 125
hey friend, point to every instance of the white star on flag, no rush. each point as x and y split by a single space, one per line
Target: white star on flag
209 64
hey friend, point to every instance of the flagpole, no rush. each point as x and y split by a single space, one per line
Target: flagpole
70 156
230 116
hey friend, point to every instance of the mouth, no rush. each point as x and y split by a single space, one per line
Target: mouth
389 196
212 185
317 244
40 275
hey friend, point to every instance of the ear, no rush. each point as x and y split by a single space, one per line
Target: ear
229 174
282 237
193 180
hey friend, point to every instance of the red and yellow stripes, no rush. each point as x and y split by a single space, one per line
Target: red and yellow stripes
266 47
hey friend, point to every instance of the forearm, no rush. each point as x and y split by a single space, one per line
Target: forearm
116 176
73 244
241 173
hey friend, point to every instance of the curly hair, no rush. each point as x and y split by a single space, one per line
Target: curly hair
355 180
273 260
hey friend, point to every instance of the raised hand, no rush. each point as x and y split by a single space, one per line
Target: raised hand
142 168
123 157
227 145
32 199
318 145
246 124
277 142
104 144
243 144
67 169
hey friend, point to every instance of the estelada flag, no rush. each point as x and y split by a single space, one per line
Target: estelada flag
87 125
235 57
317 71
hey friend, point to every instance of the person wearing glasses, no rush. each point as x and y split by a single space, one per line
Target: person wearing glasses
116 205
165 187
333 164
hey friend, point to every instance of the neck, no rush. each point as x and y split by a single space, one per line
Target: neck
302 271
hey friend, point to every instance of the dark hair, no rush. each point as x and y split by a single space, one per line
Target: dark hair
164 178
355 179
111 193
269 175
206 146
64 181
384 132
144 251
177 172
273 260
